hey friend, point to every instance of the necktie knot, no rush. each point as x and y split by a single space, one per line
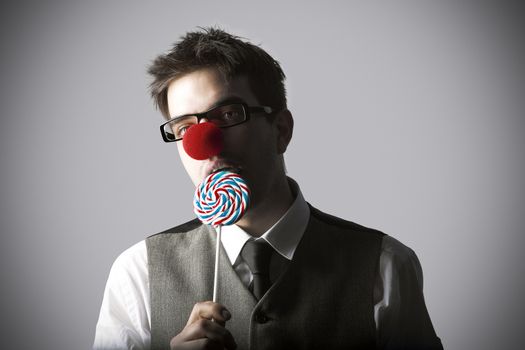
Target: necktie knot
257 255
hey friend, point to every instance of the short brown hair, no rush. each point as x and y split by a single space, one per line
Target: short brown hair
230 55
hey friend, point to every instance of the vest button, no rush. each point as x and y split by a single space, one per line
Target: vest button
261 318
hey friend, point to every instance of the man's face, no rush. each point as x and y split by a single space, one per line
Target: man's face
251 146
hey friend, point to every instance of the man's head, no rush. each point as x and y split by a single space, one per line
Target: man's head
227 53
209 67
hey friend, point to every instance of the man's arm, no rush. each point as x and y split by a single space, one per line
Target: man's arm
124 320
402 319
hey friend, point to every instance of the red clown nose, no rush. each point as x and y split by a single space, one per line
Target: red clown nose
203 141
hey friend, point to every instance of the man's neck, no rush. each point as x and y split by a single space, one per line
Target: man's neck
263 216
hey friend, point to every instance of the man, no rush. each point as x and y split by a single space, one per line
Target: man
325 283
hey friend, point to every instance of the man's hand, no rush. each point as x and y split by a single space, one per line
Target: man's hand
203 333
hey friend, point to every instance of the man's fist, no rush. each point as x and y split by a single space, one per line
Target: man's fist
205 329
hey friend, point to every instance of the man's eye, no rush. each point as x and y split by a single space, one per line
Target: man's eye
226 115
229 115
180 129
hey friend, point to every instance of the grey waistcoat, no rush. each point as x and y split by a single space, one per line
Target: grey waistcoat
324 299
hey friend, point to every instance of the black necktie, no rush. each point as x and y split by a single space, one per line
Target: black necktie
257 255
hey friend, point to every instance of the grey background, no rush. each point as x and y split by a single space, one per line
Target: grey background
409 119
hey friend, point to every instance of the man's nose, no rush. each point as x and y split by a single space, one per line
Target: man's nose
203 141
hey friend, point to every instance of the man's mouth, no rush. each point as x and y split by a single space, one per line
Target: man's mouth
232 169
224 165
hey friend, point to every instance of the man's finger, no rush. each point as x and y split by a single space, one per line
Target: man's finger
200 344
209 310
211 330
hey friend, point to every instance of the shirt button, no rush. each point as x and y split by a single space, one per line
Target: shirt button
261 318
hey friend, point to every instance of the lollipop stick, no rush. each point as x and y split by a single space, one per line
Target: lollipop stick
216 274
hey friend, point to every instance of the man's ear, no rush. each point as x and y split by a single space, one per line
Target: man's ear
284 124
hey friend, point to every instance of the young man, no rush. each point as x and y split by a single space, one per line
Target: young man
323 283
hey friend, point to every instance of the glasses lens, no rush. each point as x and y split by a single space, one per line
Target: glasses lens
176 129
227 115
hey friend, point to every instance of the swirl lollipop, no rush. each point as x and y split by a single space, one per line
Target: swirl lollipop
221 199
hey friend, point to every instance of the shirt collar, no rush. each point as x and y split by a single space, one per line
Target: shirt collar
283 236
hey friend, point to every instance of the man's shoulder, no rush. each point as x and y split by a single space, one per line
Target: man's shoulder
393 252
131 264
179 229
191 234
342 224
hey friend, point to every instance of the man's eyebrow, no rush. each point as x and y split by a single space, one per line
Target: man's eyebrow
223 101
227 100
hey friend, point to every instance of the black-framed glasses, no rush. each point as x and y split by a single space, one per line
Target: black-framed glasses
223 116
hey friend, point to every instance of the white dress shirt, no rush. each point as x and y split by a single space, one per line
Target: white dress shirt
125 315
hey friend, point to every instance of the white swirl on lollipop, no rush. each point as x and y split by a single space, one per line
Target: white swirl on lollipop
221 199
